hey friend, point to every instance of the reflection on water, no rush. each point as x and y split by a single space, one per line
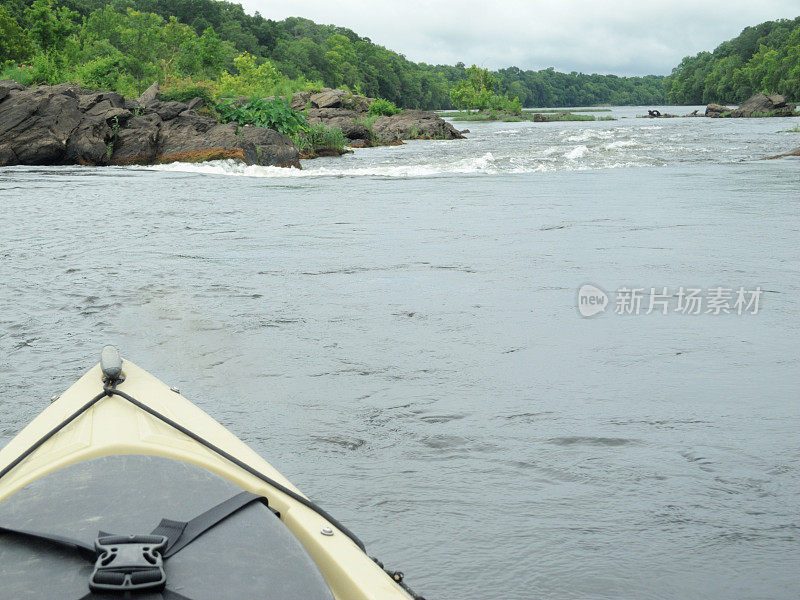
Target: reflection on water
407 349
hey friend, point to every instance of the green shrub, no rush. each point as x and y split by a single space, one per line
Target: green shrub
272 114
183 91
106 73
22 73
47 68
381 107
316 138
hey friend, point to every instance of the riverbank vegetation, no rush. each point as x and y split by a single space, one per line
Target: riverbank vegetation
525 115
764 58
126 44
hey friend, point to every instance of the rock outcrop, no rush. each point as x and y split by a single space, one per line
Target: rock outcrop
64 124
717 110
759 105
350 113
795 152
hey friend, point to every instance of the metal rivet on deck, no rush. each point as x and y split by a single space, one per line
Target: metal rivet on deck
326 531
176 390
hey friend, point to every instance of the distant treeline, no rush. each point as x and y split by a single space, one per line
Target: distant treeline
82 40
764 58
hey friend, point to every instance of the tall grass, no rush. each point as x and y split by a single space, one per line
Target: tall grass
315 139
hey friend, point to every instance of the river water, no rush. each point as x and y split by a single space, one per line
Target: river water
397 331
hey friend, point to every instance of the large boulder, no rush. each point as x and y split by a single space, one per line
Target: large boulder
759 105
270 147
300 100
36 125
90 143
138 143
166 110
194 138
329 98
149 94
717 110
349 121
413 124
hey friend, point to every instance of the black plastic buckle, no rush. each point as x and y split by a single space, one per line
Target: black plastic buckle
128 563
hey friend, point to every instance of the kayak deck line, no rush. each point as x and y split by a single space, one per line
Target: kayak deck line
115 422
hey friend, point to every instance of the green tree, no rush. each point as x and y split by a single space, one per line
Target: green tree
50 27
14 42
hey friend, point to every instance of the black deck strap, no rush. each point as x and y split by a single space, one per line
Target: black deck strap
200 524
243 465
172 529
85 550
165 594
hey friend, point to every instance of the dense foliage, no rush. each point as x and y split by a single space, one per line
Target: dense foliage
126 44
481 91
552 88
272 114
764 58
380 107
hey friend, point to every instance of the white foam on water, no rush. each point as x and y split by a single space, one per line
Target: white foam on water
484 164
584 135
620 144
577 152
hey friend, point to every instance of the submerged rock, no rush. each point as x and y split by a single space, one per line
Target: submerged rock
795 152
64 124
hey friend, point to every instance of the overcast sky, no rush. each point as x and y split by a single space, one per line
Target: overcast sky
623 37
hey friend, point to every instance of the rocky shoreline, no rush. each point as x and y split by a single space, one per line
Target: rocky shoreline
349 112
64 125
760 105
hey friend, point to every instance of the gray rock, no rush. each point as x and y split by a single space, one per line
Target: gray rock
300 100
36 124
326 114
716 110
193 138
413 124
138 143
149 94
777 100
99 101
270 147
795 152
7 86
340 118
760 104
91 143
195 103
166 110
355 131
66 125
328 99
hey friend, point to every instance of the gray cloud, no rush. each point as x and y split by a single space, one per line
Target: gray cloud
623 37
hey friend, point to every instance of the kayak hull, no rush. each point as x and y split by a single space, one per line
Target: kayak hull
113 426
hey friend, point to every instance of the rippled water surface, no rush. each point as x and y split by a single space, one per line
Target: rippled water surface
396 331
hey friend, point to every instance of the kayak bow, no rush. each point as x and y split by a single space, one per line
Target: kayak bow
119 451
